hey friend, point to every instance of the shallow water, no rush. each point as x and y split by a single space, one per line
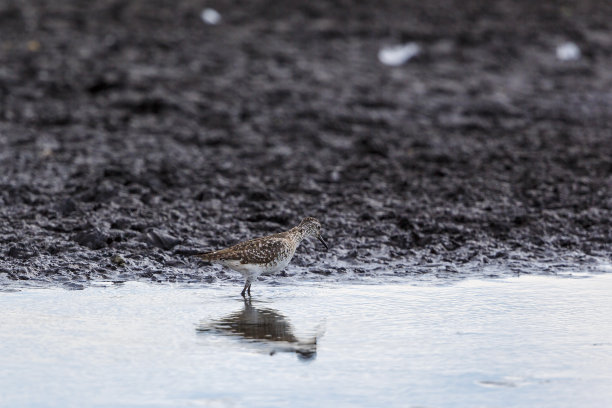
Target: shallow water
519 342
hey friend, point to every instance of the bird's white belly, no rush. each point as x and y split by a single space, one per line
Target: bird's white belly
252 271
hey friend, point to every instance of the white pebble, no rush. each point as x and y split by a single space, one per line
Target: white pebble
211 16
396 55
568 52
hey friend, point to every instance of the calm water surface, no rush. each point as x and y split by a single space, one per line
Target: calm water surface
520 342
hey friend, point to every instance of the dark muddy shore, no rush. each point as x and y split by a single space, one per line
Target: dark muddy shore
132 134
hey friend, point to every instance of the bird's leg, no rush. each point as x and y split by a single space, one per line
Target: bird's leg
247 285
249 289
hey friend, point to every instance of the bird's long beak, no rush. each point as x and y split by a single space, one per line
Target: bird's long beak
323 242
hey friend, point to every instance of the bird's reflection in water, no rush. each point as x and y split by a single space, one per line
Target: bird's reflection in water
263 326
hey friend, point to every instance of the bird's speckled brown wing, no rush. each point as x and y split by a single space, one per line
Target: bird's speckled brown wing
256 251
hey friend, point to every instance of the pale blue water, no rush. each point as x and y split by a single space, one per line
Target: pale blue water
520 342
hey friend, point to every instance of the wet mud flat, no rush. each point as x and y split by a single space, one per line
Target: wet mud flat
474 343
133 135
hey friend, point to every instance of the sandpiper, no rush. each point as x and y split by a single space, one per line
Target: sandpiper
267 254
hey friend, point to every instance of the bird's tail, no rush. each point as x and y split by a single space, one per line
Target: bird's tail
210 256
207 256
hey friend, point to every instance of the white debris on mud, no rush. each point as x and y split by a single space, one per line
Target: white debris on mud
211 16
568 52
396 55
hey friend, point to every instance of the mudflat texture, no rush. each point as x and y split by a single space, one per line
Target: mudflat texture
132 135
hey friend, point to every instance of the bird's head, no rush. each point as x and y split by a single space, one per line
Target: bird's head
311 227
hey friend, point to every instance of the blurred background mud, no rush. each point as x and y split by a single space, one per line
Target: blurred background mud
133 134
